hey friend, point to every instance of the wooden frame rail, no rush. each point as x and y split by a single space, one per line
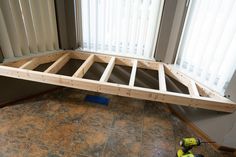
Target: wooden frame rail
199 97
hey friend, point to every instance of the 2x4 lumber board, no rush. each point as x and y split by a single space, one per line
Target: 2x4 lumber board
16 64
174 75
186 80
148 65
84 67
194 127
30 65
56 66
207 92
50 58
106 74
43 57
124 62
193 89
144 64
118 89
201 88
182 78
133 73
78 55
162 79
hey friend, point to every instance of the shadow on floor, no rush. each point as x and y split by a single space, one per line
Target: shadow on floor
62 124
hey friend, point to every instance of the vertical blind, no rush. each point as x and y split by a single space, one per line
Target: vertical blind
121 27
27 26
208 45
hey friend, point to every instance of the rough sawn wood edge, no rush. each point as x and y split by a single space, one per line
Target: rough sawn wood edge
18 70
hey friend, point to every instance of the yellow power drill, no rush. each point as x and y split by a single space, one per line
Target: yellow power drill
187 144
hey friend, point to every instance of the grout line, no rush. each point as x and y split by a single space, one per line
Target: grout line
83 155
109 134
103 150
142 130
175 138
79 124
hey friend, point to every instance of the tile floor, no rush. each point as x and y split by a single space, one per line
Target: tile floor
62 124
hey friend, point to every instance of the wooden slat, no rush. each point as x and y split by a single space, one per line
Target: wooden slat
193 126
78 55
118 89
133 73
46 58
50 58
181 77
84 67
193 89
56 66
30 65
162 79
169 71
214 102
106 74
144 64
204 91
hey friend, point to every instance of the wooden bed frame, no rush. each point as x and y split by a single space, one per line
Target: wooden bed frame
198 97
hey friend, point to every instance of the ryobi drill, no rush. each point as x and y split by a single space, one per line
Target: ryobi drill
187 144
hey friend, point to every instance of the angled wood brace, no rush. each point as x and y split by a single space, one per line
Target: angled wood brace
198 97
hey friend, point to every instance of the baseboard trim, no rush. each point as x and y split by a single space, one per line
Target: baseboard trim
200 133
28 97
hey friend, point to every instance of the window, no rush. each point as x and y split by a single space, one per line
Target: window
207 50
27 27
121 27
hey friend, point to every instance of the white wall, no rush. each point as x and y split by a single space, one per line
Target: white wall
220 127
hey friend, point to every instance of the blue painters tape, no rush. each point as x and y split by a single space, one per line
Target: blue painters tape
97 99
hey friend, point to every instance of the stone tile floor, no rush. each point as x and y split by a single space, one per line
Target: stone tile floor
62 124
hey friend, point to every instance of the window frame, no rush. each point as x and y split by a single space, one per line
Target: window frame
79 36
